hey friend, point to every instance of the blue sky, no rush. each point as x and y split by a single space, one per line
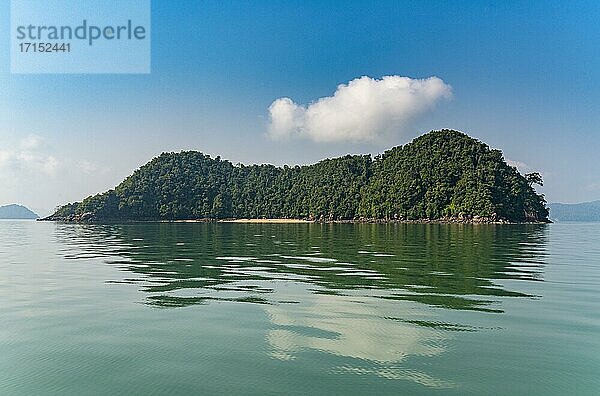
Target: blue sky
525 79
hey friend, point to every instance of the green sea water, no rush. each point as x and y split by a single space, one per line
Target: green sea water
299 309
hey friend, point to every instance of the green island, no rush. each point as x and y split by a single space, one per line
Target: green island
442 176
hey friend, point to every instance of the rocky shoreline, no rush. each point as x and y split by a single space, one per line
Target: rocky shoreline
465 219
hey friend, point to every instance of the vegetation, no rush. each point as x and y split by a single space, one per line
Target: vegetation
440 175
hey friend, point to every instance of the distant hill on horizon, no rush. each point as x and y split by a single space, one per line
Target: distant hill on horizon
17 212
584 211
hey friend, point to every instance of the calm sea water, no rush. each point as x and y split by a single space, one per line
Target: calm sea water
299 309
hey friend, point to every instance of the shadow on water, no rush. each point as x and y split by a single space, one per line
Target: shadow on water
458 267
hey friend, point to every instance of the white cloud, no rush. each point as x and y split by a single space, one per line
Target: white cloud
594 186
27 158
33 173
521 166
524 168
31 142
364 110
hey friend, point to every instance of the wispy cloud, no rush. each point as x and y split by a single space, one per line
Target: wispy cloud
33 173
31 142
594 186
31 157
363 110
521 166
28 157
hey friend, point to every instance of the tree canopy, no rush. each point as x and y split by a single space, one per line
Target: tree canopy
441 175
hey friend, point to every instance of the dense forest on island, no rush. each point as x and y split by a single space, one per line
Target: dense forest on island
442 175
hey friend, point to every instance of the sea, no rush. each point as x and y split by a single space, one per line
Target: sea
299 309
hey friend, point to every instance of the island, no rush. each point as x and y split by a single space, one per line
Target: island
441 176
584 211
17 212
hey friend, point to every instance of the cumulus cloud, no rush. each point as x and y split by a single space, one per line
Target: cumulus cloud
363 110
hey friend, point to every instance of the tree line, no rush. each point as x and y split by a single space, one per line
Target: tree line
442 174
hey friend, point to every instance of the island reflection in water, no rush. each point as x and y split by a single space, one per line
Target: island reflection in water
361 291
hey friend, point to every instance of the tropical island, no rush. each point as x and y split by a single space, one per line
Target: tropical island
442 176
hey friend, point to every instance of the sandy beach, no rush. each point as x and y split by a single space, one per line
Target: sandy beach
286 221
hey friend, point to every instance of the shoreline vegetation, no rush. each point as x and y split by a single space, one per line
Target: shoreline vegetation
449 220
441 177
445 220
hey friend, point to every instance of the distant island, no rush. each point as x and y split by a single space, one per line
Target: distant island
17 212
585 211
442 176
